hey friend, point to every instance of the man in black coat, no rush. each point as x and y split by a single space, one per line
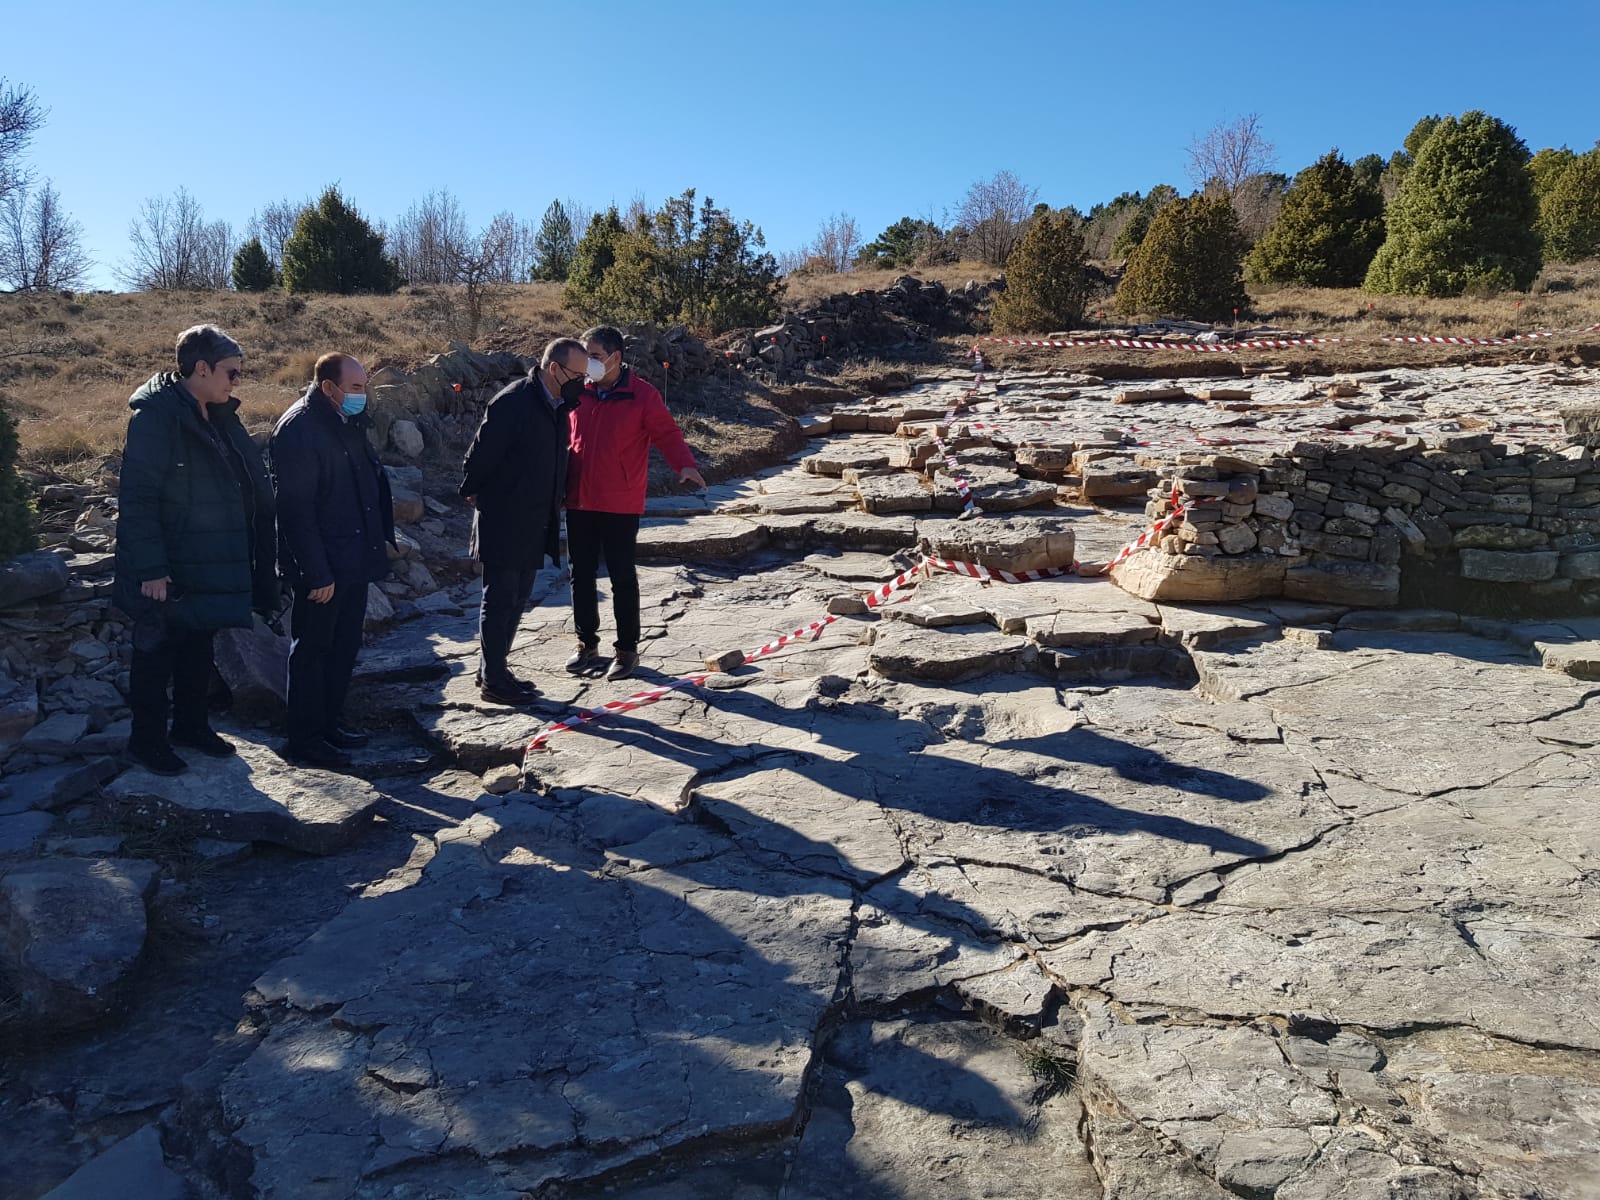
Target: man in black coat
195 544
335 513
515 475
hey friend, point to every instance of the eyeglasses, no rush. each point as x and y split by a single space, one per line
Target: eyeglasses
233 374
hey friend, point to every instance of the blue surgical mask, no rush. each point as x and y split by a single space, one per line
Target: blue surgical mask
352 404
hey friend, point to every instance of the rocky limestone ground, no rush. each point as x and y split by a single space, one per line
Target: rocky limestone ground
1007 889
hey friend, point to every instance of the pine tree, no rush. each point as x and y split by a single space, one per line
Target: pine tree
1046 286
1189 264
16 513
252 269
554 245
1138 226
594 255
334 249
682 263
1569 206
1330 227
1464 215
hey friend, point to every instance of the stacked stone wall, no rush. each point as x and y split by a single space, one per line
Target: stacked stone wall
1337 523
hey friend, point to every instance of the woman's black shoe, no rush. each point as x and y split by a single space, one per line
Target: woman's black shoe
341 738
158 760
316 753
207 741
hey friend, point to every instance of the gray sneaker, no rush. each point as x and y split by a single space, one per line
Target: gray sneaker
624 665
585 658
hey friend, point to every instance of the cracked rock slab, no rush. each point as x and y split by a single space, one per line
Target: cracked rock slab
252 796
516 1003
888 1095
71 933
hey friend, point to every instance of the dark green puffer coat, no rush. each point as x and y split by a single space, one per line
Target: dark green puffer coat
195 505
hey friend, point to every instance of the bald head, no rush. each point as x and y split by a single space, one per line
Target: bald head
338 375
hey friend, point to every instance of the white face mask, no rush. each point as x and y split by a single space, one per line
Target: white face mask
596 371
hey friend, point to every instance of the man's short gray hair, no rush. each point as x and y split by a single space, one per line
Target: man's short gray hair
609 337
204 344
560 348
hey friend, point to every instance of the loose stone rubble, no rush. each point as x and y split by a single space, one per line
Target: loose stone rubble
1018 888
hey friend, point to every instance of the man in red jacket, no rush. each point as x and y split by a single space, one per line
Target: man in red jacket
619 418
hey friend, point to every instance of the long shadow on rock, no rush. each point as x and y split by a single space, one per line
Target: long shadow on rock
873 756
522 1007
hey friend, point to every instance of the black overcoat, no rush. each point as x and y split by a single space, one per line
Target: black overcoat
516 467
335 507
194 506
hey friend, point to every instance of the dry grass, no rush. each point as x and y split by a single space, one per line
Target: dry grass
800 288
1563 297
68 366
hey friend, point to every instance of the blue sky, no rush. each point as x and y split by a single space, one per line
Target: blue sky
784 113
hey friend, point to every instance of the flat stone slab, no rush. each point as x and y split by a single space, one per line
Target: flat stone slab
699 539
19 831
134 1167
1207 628
703 1024
1016 545
1078 630
71 933
1184 578
886 1093
31 576
847 455
906 651
55 786
253 796
893 493
854 567
995 489
1581 660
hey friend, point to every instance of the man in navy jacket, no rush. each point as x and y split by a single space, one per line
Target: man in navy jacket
335 513
515 476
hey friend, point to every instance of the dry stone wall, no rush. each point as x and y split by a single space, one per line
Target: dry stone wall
1336 524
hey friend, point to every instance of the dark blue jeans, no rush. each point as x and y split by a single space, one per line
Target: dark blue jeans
505 597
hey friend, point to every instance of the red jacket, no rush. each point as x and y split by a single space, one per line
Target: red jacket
611 440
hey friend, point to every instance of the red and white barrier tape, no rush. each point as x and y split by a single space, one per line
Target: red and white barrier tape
1146 538
873 600
1282 343
1501 341
1193 347
993 575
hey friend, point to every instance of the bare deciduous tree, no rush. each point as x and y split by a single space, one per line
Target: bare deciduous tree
1232 158
514 240
273 225
40 245
20 116
1229 153
994 214
833 250
174 246
429 238
636 214
579 214
484 263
